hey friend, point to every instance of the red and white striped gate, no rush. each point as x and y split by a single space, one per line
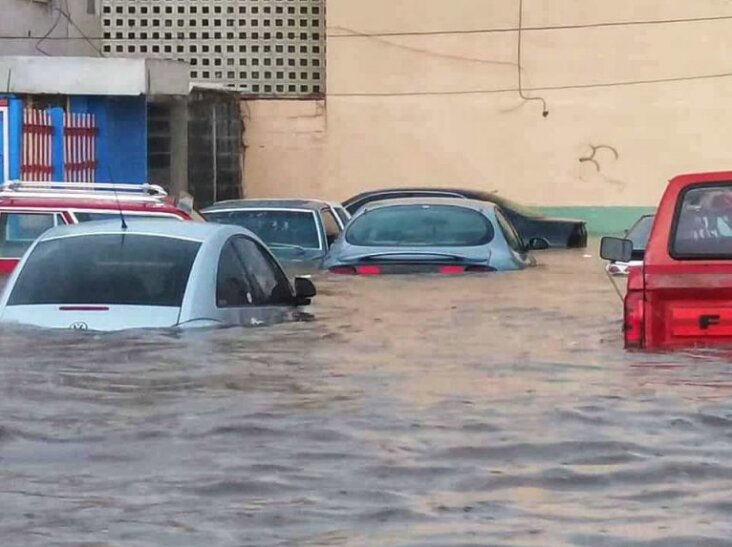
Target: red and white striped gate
80 152
36 162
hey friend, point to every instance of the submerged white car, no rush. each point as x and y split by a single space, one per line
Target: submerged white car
149 274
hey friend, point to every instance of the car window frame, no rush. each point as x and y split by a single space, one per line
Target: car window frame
335 210
280 274
328 210
59 219
500 215
320 229
229 243
671 243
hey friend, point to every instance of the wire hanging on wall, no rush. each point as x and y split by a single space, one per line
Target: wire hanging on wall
545 111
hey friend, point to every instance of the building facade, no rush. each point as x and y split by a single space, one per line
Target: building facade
263 48
426 92
85 119
51 27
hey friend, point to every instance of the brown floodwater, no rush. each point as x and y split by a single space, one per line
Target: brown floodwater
484 410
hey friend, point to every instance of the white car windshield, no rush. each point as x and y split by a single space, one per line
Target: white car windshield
114 269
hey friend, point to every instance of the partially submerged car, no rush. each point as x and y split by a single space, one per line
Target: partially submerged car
149 274
429 235
681 295
638 235
297 231
531 224
27 209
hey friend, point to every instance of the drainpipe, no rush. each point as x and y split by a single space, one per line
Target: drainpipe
214 151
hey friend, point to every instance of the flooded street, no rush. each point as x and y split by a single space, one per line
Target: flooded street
484 410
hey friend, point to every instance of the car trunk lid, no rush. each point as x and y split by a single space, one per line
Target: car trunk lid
95 317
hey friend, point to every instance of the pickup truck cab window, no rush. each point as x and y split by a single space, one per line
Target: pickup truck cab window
703 225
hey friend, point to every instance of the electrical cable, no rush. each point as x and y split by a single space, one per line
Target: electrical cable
45 36
354 34
541 88
71 21
526 98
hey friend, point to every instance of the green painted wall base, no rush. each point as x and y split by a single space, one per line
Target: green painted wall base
601 220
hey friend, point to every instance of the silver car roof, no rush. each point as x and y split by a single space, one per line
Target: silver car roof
197 231
457 202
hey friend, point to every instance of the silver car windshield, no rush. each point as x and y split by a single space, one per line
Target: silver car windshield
420 225
114 269
277 228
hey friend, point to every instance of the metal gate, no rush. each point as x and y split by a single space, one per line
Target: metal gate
36 162
80 153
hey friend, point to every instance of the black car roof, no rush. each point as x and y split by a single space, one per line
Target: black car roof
468 193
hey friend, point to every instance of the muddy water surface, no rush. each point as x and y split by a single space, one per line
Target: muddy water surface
487 410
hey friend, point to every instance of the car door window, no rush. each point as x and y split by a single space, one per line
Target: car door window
332 228
233 286
509 232
19 230
271 285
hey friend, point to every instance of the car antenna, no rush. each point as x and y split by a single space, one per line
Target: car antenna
114 189
119 208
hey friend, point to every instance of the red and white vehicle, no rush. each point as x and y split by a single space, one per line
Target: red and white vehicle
681 294
27 209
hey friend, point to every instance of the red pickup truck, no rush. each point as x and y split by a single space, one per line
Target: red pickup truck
681 295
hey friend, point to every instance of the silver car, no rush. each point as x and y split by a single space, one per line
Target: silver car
149 274
429 235
298 231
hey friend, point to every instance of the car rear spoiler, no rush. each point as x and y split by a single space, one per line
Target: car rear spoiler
421 254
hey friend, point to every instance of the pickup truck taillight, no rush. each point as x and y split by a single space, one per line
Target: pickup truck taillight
633 325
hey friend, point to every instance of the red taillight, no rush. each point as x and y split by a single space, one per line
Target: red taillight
633 326
368 270
343 270
451 269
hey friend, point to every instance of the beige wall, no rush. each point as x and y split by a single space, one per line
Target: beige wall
398 111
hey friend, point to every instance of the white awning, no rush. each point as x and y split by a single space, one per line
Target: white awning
92 76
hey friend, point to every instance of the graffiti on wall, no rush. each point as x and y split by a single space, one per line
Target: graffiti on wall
601 158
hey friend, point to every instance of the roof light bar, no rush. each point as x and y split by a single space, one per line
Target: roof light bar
20 185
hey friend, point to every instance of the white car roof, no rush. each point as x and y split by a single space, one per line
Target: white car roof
198 231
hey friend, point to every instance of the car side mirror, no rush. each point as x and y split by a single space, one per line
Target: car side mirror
616 249
304 291
538 244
